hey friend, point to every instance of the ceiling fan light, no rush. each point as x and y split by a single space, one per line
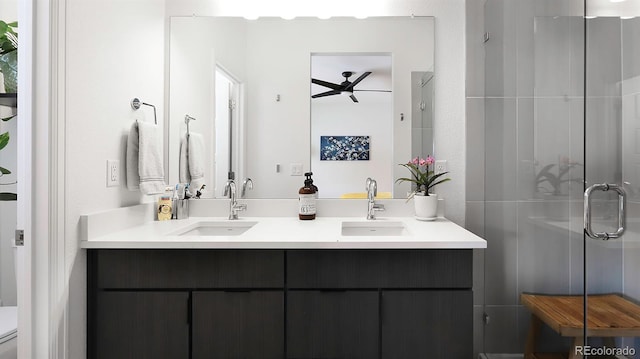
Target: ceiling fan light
346 93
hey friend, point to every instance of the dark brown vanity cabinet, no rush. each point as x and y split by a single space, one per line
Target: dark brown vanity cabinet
185 304
389 304
290 304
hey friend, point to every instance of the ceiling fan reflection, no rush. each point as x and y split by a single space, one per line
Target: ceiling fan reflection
346 88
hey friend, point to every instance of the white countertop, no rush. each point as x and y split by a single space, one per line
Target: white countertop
290 233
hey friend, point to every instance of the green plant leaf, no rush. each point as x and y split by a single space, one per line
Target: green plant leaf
4 140
8 118
7 196
8 37
4 171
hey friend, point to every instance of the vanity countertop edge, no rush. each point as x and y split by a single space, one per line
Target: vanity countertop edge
289 233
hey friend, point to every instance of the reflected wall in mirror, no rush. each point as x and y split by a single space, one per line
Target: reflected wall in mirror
421 113
363 110
269 64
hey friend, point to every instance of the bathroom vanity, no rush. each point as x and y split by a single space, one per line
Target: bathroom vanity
282 289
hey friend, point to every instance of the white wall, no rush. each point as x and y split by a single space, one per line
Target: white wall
115 51
335 178
8 160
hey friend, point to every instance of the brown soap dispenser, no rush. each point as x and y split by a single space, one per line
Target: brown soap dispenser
307 200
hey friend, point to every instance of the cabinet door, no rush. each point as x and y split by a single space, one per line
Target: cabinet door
241 325
427 324
141 325
330 324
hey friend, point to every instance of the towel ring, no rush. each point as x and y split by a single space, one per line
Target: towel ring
135 104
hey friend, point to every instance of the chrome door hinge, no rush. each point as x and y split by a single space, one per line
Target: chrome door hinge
486 318
232 104
19 240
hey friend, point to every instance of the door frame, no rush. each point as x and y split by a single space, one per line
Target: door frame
42 287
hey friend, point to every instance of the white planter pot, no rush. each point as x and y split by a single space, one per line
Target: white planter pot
426 206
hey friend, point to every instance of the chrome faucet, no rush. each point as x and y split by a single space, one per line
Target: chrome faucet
234 206
247 184
372 192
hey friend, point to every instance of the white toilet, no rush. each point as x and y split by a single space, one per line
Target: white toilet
8 332
9 327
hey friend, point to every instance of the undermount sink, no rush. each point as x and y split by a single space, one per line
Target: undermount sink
374 228
216 228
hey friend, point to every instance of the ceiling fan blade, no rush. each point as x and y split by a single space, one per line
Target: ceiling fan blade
356 81
328 93
326 84
353 98
373 90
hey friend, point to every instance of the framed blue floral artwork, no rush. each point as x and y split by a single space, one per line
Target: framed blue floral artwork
344 148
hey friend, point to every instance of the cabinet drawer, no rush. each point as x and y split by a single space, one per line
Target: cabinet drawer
187 269
336 269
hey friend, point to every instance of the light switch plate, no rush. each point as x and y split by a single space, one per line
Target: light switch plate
296 169
113 173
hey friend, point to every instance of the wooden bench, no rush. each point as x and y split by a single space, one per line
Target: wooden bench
609 316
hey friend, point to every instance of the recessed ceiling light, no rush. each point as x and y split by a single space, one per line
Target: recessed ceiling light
617 0
627 17
251 17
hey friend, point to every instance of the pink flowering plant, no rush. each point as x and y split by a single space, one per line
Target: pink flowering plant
422 175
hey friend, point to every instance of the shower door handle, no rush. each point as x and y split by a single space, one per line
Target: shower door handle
622 197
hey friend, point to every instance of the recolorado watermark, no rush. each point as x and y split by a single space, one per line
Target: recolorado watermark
589 350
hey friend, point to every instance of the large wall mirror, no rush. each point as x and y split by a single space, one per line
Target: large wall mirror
248 84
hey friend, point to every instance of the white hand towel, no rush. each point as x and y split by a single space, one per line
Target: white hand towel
191 168
145 170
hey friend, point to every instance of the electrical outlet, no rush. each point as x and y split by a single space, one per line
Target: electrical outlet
113 173
440 166
296 169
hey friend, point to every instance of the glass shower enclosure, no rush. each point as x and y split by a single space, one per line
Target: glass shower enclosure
561 122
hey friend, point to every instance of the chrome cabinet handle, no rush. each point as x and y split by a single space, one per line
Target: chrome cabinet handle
622 196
